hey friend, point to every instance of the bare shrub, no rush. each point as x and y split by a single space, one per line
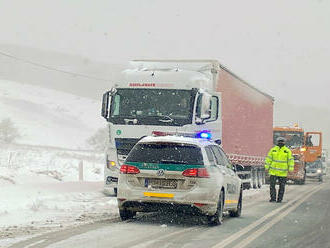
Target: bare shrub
8 132
99 140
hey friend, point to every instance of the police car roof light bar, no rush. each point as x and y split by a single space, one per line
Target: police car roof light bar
200 135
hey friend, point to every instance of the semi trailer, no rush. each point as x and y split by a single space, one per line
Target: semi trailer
192 96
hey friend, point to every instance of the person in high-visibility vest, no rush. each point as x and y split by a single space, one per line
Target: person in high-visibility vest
278 162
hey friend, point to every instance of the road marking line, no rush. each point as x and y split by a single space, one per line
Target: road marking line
149 242
35 243
264 228
245 230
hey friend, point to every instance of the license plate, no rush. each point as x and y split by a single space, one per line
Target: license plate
161 183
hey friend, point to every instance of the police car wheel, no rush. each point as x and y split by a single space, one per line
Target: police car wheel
217 218
238 211
126 214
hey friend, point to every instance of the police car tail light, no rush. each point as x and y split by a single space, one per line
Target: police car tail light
195 172
129 169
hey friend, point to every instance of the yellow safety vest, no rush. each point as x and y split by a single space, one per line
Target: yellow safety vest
279 161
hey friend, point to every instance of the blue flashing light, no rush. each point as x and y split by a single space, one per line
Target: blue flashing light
204 135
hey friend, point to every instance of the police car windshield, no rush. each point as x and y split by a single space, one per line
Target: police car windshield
166 153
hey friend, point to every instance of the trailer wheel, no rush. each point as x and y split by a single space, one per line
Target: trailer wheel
254 178
259 173
263 177
267 178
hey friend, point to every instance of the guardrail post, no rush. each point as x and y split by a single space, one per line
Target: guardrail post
81 171
9 159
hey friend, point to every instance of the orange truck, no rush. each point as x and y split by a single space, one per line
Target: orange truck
306 149
295 139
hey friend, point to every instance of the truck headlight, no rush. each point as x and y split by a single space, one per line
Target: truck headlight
111 164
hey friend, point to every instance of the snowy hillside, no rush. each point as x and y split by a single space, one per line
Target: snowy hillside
49 117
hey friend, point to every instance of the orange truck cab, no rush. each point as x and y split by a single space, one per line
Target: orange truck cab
313 146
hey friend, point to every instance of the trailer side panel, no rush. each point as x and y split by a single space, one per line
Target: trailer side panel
247 117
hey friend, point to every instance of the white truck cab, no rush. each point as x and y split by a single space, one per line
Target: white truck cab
158 97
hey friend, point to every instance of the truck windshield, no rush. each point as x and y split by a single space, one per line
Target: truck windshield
293 139
152 106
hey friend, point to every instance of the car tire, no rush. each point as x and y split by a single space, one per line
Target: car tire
126 214
217 218
238 211
302 181
304 178
254 179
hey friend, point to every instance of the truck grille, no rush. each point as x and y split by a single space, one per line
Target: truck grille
124 145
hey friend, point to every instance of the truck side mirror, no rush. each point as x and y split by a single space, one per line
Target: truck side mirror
203 110
206 107
105 105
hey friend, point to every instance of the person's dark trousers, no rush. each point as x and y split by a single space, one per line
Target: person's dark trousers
281 181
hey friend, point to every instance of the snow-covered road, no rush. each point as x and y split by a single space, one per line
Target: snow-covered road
179 230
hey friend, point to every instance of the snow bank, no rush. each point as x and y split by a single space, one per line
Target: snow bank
40 190
49 117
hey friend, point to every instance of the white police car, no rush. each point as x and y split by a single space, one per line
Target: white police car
179 173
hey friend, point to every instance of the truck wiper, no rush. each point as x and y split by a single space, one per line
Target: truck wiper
167 118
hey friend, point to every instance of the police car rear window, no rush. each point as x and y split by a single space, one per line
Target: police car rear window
166 153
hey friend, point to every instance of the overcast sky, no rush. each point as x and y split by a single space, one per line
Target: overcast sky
282 47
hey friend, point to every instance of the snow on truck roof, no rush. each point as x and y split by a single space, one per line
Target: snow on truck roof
204 67
170 78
